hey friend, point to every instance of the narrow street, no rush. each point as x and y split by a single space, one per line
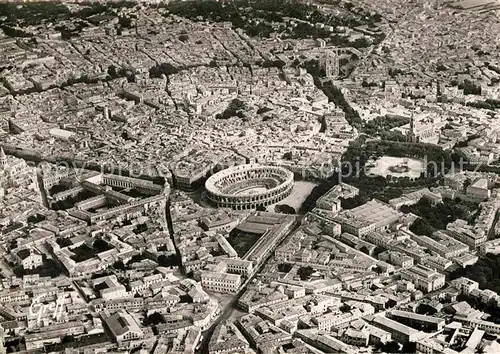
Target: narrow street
226 312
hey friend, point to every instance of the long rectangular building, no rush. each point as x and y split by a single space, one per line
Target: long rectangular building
416 320
399 332
487 326
368 217
220 282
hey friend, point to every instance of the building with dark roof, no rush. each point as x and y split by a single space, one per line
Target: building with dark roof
123 327
415 320
29 259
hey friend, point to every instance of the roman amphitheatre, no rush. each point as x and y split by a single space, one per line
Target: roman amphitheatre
249 186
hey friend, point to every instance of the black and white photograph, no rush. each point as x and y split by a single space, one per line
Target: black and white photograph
249 176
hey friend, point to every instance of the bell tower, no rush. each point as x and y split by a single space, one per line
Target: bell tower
412 133
3 159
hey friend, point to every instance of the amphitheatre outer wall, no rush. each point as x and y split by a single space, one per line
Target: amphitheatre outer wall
247 187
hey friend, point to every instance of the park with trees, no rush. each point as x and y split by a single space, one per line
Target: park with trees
486 271
434 217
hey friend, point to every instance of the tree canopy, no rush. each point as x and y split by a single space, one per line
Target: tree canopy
486 271
305 272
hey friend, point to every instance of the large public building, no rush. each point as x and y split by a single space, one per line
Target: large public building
246 187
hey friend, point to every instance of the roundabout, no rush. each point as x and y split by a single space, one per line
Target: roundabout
247 187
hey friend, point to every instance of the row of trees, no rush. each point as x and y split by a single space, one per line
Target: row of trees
486 104
336 96
14 32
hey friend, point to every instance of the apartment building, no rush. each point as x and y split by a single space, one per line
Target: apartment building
220 282
424 278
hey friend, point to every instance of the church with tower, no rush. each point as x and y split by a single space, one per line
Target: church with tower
13 169
420 132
